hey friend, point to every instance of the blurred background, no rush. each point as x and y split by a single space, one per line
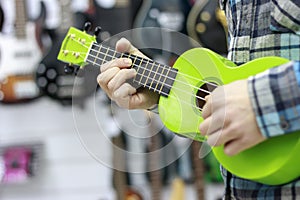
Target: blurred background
60 136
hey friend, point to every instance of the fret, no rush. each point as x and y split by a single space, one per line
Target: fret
117 55
93 56
149 73
161 74
142 75
169 80
138 65
97 54
154 77
164 79
102 54
111 54
126 55
105 54
133 58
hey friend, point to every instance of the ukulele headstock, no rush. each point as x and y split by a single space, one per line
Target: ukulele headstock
75 48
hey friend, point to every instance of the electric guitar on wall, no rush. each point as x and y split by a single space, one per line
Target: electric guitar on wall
182 89
123 190
50 75
20 53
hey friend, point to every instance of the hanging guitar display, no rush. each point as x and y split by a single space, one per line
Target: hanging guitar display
116 12
120 183
170 15
20 53
154 159
50 74
198 170
183 88
206 24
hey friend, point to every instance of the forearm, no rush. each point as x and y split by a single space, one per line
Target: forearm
275 98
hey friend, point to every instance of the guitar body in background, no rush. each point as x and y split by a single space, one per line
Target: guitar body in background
206 24
20 53
170 16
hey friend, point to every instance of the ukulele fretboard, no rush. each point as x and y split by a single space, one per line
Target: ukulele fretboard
152 75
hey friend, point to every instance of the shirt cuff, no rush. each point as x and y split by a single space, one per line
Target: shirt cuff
275 98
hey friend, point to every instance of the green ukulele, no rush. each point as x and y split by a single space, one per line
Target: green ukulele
182 89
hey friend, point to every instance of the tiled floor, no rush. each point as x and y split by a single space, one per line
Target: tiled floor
76 157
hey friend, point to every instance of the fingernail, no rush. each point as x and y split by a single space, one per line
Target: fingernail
133 71
116 93
127 61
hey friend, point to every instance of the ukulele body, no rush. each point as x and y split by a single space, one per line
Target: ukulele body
273 162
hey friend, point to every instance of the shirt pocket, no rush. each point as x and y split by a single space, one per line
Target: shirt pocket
285 16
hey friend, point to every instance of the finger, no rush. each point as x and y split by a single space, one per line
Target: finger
234 147
204 126
206 111
123 94
123 45
120 78
209 126
120 63
220 137
215 138
213 123
104 78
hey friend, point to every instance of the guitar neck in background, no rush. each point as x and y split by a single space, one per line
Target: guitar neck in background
66 16
21 19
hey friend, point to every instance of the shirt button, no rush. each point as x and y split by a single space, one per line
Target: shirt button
284 123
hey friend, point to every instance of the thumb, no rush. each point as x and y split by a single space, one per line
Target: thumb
123 45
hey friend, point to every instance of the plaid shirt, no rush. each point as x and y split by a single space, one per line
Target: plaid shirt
259 28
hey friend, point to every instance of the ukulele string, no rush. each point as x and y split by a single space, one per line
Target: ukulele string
108 49
145 69
140 59
150 87
153 80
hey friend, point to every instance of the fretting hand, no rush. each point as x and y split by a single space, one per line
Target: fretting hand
113 80
229 119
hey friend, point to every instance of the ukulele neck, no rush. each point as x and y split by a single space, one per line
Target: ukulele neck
152 75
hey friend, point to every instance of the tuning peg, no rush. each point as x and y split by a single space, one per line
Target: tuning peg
97 31
69 69
87 26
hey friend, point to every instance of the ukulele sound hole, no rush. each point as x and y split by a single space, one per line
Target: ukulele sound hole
203 91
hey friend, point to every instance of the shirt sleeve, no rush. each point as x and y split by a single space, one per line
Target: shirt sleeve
275 98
